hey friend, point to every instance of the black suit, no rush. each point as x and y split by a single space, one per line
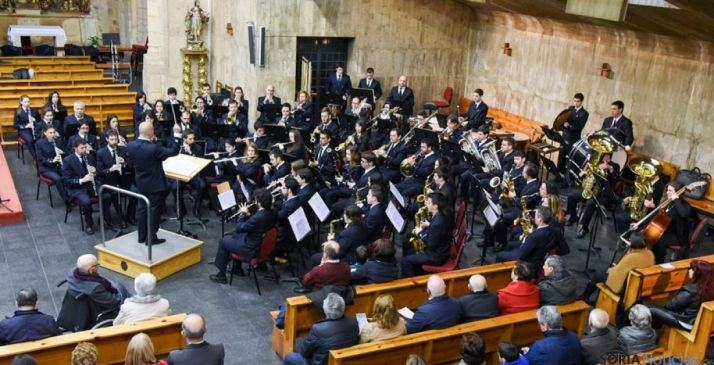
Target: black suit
22 118
264 116
90 139
286 237
348 194
40 125
478 305
74 169
337 89
404 100
374 85
375 271
623 124
202 353
571 134
45 156
535 248
414 185
332 129
105 160
437 246
276 173
375 220
71 120
395 155
246 238
476 115
325 163
353 236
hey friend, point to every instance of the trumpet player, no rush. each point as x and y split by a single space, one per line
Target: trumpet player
276 169
248 233
453 132
243 103
84 134
395 152
413 185
436 234
206 95
235 119
201 115
285 119
24 120
111 168
49 156
48 120
268 98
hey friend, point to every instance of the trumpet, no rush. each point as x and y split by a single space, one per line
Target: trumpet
381 152
358 198
297 107
349 141
239 212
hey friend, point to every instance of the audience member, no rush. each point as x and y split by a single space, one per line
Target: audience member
23 360
478 303
140 351
520 294
28 323
145 304
639 336
559 346
473 350
557 286
85 353
440 311
380 268
508 354
197 350
386 322
601 339
331 270
85 279
336 331
681 311
415 359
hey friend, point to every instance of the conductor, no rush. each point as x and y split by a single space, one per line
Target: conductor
147 156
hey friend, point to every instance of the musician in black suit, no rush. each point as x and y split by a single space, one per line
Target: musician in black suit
476 115
201 116
368 161
396 151
84 134
246 170
402 96
305 178
285 207
276 169
112 169
285 119
324 160
370 82
186 123
225 171
436 234
677 231
147 156
505 158
621 122
24 120
475 167
206 95
302 117
453 132
375 218
269 98
328 125
573 127
197 183
339 86
76 119
623 220
174 107
48 120
606 196
542 239
529 194
240 126
248 234
439 182
80 183
49 160
413 185
352 236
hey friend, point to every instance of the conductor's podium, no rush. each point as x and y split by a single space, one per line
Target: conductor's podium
125 256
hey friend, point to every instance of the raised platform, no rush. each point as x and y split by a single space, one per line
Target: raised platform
15 214
125 256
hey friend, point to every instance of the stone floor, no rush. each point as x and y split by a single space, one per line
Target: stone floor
40 252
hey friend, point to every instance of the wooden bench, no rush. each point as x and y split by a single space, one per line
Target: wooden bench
7 70
111 342
443 346
43 60
691 344
7 102
706 203
64 75
301 314
99 80
38 94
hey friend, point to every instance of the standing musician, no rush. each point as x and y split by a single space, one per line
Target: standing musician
476 115
528 198
83 134
54 102
324 161
198 184
48 120
112 124
80 182
201 116
276 169
146 155
206 94
677 231
573 127
436 233
327 125
269 98
305 179
402 96
112 169
302 112
621 122
173 105
369 82
285 119
76 119
140 107
368 163
231 118
186 123
413 185
24 120
339 86
351 116
248 234
375 216
49 156
243 104
246 171
381 125
396 151
286 205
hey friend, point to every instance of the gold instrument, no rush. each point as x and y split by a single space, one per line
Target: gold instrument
406 168
349 141
421 215
644 168
562 117
381 152
333 226
314 134
358 198
446 134
494 182
194 108
230 119
601 145
526 224
58 153
510 187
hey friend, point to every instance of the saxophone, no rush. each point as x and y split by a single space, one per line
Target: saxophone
526 224
358 198
601 145
333 226
644 168
421 215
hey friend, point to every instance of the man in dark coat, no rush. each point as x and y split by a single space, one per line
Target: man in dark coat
440 311
478 303
104 293
28 323
559 346
197 350
558 286
402 96
618 121
601 339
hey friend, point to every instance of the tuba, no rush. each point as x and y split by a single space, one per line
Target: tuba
644 168
489 156
406 168
601 145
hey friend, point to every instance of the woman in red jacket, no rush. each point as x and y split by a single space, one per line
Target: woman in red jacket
521 294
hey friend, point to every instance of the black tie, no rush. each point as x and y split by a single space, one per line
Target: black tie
401 91
339 78
84 165
114 154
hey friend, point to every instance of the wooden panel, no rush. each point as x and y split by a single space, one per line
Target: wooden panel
41 92
84 81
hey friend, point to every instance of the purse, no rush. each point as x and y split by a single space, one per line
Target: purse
686 177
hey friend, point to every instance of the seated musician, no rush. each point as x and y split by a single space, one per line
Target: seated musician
439 183
80 182
49 157
360 137
286 205
77 118
243 103
302 117
259 138
111 168
413 185
379 128
380 268
327 125
352 116
198 184
436 235
206 94
475 172
48 120
440 311
677 231
246 171
324 159
395 153
623 218
232 118
225 171
201 116
248 234
285 119
305 179
185 123
549 198
353 235
358 185
375 216
351 172
295 147
527 198
276 169
538 243
505 156
268 98
83 134
453 132
112 124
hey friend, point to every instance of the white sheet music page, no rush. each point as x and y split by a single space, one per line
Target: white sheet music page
395 217
396 194
319 207
299 224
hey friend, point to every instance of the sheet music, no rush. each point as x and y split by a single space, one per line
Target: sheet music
666 266
396 194
494 206
243 190
319 207
361 320
299 224
395 217
491 216
225 196
178 166
406 313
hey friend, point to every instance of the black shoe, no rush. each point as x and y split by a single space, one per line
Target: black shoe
301 290
262 267
123 225
220 279
158 241
110 226
582 231
89 231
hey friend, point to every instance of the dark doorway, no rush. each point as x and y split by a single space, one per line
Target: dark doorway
323 54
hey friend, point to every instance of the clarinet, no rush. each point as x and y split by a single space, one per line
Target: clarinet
92 170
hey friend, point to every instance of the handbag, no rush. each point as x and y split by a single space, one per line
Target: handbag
686 177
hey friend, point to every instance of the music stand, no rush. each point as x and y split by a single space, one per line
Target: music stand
216 131
420 134
364 93
600 213
183 168
449 148
217 110
271 112
276 133
175 112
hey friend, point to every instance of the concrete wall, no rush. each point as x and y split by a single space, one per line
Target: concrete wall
667 84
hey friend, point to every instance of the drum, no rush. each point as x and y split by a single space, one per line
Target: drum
335 110
580 153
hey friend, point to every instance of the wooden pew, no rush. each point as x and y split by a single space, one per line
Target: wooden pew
89 98
64 75
38 94
99 80
42 59
301 314
691 344
111 342
443 346
7 70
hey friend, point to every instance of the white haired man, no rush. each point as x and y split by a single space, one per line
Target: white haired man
84 278
601 340
559 346
478 303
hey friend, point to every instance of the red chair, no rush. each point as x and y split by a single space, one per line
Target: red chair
460 215
692 239
267 246
447 95
43 179
457 249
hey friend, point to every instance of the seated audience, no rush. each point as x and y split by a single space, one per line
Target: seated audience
335 332
440 311
681 311
382 267
331 270
508 354
473 350
520 294
558 286
140 351
639 256
85 353
478 303
639 336
23 360
559 346
197 350
415 359
601 339
385 322
145 304
85 278
28 323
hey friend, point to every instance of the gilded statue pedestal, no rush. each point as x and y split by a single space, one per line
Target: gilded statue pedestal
189 55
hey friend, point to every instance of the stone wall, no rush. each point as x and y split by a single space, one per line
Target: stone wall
667 84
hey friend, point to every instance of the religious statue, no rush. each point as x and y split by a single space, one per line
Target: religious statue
195 19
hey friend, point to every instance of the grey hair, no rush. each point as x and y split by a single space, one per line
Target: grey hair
414 359
598 318
549 315
640 316
478 283
145 284
333 306
557 263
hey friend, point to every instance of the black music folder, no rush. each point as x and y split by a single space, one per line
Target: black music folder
276 133
271 112
218 110
364 93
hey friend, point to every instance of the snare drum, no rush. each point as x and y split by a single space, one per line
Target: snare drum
335 110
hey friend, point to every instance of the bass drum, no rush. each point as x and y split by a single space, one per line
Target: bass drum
578 159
